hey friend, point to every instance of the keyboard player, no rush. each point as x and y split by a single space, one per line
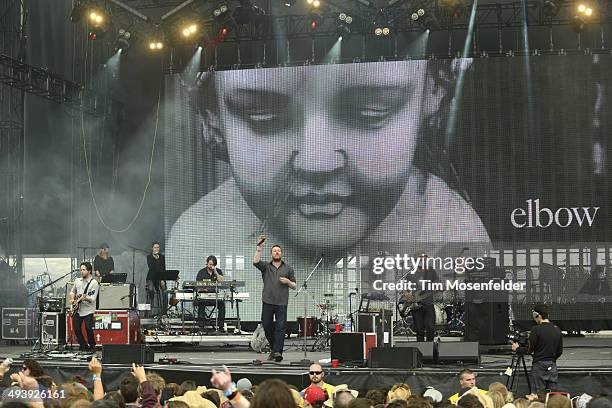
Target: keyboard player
214 274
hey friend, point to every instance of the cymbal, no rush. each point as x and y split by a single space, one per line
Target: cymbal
328 295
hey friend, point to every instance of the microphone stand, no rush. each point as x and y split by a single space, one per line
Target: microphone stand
305 361
134 249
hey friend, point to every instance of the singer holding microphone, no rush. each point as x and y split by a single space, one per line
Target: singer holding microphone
278 277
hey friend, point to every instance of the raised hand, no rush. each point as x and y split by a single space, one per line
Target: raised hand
221 380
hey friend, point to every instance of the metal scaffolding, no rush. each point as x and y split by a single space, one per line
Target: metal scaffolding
13 18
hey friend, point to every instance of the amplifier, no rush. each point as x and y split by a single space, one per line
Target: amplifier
111 327
117 296
19 323
53 304
352 347
372 322
54 328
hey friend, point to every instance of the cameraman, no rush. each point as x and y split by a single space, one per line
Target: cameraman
546 345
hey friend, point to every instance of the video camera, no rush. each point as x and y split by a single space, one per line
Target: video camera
520 337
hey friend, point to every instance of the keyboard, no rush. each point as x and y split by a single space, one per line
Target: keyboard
225 297
211 285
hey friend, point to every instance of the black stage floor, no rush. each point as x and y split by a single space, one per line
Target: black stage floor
586 366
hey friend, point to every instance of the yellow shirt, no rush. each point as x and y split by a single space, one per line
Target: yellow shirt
327 387
455 397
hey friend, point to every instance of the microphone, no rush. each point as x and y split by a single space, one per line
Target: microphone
261 241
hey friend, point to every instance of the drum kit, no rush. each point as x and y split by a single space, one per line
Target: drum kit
320 327
449 320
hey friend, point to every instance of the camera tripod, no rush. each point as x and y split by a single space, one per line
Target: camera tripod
518 361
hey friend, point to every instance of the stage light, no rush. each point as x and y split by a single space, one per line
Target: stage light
414 16
156 45
550 8
123 42
588 11
189 30
343 31
77 13
577 23
378 31
289 3
315 21
386 31
342 16
96 18
421 12
316 3
581 8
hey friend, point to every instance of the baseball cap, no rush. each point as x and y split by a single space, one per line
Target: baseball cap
314 394
243 384
435 395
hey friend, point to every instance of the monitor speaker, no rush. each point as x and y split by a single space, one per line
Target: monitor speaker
396 357
427 349
127 354
458 352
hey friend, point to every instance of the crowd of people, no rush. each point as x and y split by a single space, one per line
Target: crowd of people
31 387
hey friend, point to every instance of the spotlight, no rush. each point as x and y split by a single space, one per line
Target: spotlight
222 9
577 23
585 10
123 40
343 31
345 18
316 3
189 30
288 3
96 18
550 8
420 12
381 24
225 30
156 45
77 12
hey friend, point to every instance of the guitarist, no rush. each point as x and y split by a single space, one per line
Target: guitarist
83 299
421 302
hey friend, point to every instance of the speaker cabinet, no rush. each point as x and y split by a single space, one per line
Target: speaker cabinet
427 348
458 352
397 357
127 354
487 323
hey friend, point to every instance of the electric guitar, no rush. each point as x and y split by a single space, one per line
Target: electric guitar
74 307
411 301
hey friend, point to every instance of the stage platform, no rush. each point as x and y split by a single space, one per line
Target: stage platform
586 366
